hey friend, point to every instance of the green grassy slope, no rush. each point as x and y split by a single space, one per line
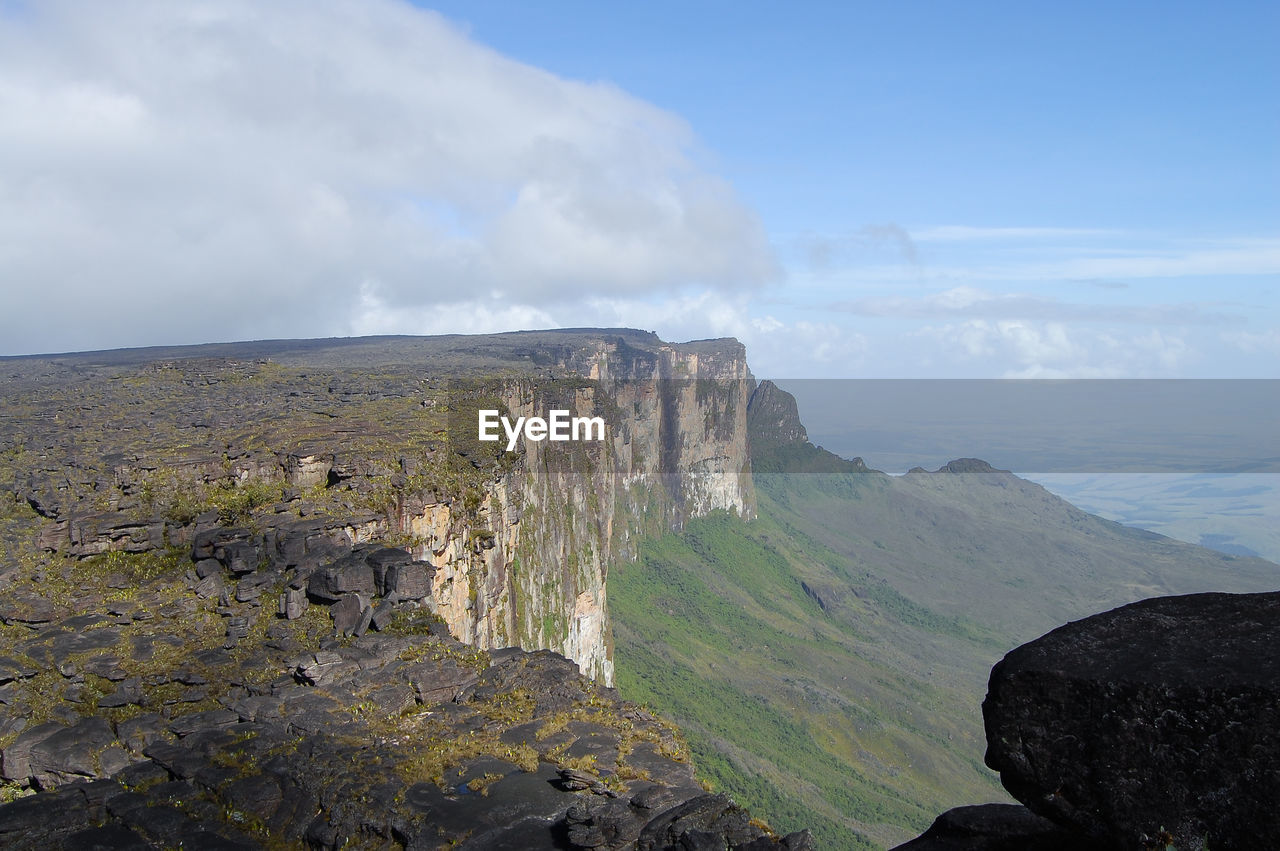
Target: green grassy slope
828 660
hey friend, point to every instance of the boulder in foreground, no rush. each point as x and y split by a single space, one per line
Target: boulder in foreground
992 827
1155 724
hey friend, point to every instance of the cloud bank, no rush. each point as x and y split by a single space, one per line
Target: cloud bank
180 172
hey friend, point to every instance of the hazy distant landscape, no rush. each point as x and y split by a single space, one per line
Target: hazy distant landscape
1195 460
872 608
1237 514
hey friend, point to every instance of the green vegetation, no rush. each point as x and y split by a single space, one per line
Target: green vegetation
180 499
131 569
828 660
794 710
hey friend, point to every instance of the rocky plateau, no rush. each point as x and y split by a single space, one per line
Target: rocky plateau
278 595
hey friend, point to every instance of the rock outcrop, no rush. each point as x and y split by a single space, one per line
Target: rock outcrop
675 448
1149 726
330 444
993 827
773 419
156 707
1154 723
391 741
779 441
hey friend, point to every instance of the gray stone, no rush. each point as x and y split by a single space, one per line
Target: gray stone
70 753
239 557
383 613
293 602
15 762
348 575
346 614
207 567
128 692
11 669
381 561
237 628
410 581
366 618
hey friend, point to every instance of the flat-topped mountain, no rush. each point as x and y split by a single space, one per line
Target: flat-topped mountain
376 439
259 592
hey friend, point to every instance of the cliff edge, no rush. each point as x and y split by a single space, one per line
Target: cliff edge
297 449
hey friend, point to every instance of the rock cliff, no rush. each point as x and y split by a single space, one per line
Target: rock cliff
551 524
274 594
304 448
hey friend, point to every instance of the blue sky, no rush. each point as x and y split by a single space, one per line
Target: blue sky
863 190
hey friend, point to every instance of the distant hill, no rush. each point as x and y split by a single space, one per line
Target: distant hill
828 660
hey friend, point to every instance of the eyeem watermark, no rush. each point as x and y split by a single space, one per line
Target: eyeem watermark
558 425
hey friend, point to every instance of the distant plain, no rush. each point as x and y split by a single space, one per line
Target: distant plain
1197 460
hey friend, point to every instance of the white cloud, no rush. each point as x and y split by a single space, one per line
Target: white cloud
957 253
1266 342
473 316
1024 349
972 301
803 348
968 233
173 172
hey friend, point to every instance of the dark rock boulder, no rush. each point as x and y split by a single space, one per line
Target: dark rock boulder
347 613
293 602
409 581
383 560
207 542
348 575
239 557
548 675
993 827
16 759
70 753
1152 724
712 823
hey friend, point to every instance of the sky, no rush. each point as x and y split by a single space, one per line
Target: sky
887 190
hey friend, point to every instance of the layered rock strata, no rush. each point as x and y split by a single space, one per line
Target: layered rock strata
319 445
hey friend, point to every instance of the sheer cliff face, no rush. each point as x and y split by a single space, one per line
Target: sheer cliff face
528 566
301 448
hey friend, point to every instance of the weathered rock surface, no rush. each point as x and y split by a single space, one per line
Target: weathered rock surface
994 827
319 446
772 417
1149 725
356 757
170 718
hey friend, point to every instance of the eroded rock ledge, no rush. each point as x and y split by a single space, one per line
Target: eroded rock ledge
292 737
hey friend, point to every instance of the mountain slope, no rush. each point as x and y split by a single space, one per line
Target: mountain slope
828 660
